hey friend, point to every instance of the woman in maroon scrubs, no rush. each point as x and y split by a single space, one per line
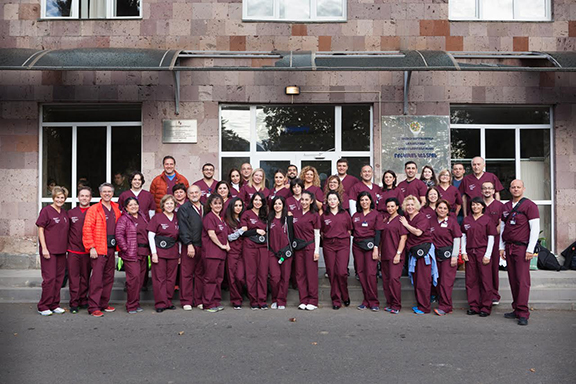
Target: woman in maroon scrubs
307 251
53 227
389 190
293 202
223 190
214 248
392 245
312 184
449 192
428 176
333 184
280 187
336 227
235 262
429 208
163 239
235 181
279 244
254 222
478 236
367 225
446 236
132 240
420 252
257 183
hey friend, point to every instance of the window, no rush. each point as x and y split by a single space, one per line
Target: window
500 10
104 144
516 143
294 10
91 9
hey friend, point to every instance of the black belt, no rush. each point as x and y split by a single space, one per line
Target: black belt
519 243
143 245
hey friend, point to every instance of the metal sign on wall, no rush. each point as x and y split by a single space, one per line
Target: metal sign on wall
179 131
422 139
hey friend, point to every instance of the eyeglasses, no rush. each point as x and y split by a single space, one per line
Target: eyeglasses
487 189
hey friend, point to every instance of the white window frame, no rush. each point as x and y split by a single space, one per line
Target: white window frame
73 194
313 14
517 4
75 12
295 156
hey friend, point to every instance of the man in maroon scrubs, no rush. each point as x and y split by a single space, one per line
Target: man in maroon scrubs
471 185
365 184
78 258
494 209
163 183
145 198
291 173
207 183
412 185
347 180
246 172
518 237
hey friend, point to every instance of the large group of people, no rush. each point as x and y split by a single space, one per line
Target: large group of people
263 240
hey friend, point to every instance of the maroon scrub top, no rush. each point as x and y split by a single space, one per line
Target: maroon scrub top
422 223
477 231
495 210
145 199
251 221
345 203
213 222
521 230
283 192
110 220
429 213
392 231
235 245
163 226
348 182
141 234
234 192
365 226
246 193
415 187
451 195
361 187
316 191
305 225
277 235
472 186
294 206
386 194
445 231
76 217
55 226
336 226
206 189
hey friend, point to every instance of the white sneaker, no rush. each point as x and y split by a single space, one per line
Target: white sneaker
311 307
274 306
200 306
302 306
281 307
187 307
59 310
45 313
495 302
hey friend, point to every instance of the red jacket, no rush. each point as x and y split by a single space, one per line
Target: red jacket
94 230
159 185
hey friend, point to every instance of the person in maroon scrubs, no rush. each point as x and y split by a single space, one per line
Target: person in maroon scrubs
307 252
78 262
246 172
235 261
215 247
164 245
235 181
471 185
254 222
420 250
336 228
478 234
207 183
279 244
280 187
446 237
333 184
412 185
428 176
494 209
367 225
312 184
145 198
346 180
257 183
365 185
392 245
389 190
293 202
53 227
449 192
223 190
132 239
429 208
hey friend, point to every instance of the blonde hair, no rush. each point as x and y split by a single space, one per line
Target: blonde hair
414 199
165 199
262 183
316 181
443 172
339 190
59 190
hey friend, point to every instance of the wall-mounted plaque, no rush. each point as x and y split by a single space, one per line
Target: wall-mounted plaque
179 131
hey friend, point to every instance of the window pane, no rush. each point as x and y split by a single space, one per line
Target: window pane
329 8
103 112
546 224
500 144
58 8
294 9
262 8
235 122
465 143
270 166
295 128
355 164
91 162
126 153
497 10
534 143
232 162
530 9
463 9
499 115
356 128
56 159
127 8
535 163
506 172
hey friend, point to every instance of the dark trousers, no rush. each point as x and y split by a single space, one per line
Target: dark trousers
256 258
446 277
135 271
236 277
307 275
53 270
101 281
367 269
391 274
279 279
78 277
213 277
495 263
163 281
422 280
519 275
479 281
336 258
191 277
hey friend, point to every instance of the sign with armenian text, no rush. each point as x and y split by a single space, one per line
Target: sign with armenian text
179 131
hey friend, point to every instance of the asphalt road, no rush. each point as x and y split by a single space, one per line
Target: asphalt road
325 346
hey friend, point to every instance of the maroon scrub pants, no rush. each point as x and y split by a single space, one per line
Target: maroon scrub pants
78 277
213 277
135 270
479 281
307 275
495 263
235 277
256 258
446 277
391 274
191 277
336 258
367 269
101 281
422 281
279 279
519 276
163 281
53 270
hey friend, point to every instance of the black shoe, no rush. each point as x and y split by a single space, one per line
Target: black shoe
83 306
335 307
346 303
74 310
484 314
172 307
160 310
472 312
510 315
522 321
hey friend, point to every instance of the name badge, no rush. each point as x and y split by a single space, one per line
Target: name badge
365 224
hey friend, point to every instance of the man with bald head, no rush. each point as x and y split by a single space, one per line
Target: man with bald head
471 185
190 216
518 237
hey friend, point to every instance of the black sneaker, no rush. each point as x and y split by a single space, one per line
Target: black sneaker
471 312
510 315
522 321
346 303
335 307
264 307
74 310
484 314
172 307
